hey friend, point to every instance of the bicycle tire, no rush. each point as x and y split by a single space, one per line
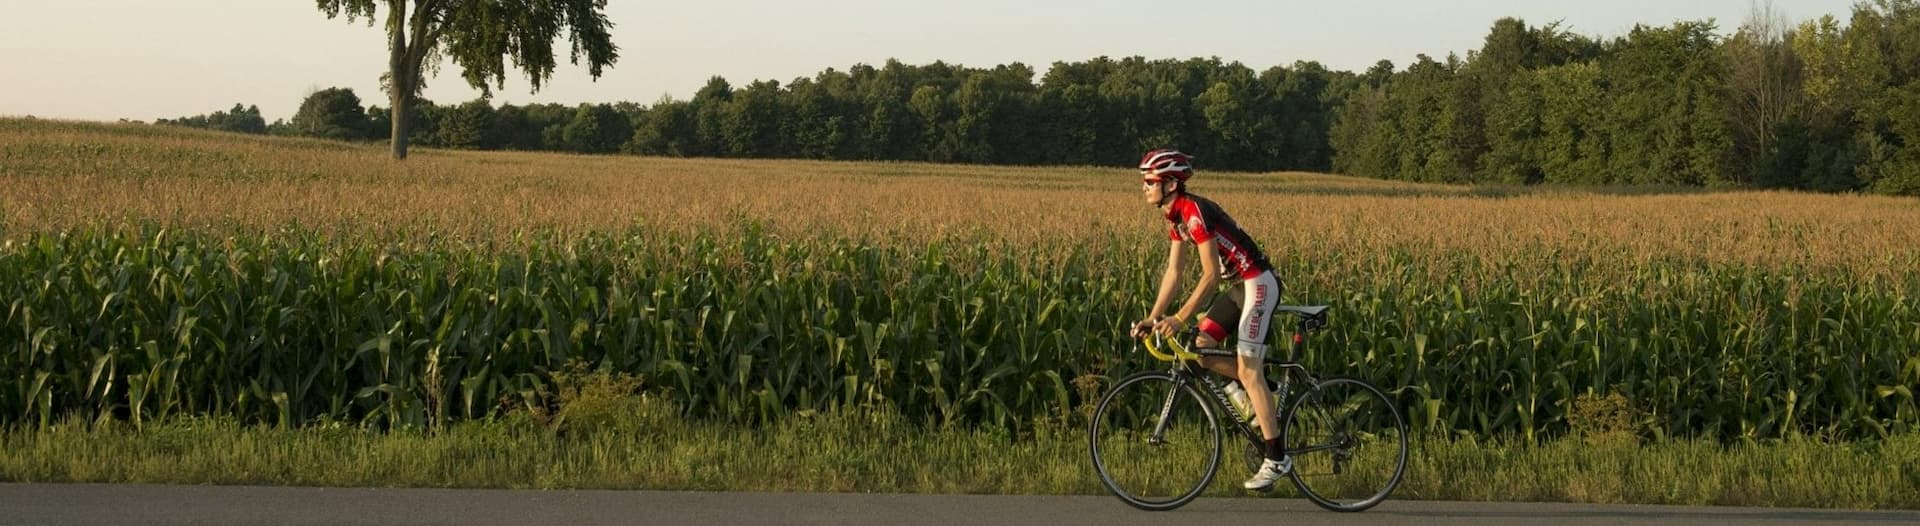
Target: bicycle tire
1331 436
1120 433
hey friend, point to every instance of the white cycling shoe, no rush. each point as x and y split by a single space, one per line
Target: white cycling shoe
1270 472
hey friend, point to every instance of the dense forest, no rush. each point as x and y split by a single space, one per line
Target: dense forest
1823 104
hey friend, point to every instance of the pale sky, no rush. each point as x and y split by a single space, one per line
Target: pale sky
148 59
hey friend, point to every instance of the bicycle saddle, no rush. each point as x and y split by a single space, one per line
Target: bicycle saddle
1309 311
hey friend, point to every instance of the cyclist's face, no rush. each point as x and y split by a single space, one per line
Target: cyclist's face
1152 191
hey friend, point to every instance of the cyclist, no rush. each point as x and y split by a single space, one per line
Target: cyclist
1226 253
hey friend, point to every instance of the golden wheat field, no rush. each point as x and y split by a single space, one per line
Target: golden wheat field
61 175
444 287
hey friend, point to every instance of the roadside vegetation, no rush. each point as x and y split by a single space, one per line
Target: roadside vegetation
187 306
642 442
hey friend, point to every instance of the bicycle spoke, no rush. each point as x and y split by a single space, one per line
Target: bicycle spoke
1348 444
1154 444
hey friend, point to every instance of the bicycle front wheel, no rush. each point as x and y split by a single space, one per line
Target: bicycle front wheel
1348 442
1155 443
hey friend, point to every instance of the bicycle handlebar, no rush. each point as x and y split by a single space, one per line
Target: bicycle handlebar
1179 351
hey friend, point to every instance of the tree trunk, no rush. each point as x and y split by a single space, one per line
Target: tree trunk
399 77
400 124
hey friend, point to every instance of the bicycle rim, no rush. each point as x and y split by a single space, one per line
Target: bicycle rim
1146 464
1348 442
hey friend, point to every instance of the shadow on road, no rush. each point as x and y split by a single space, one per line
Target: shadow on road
1796 516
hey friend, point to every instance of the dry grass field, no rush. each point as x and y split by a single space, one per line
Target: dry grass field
61 175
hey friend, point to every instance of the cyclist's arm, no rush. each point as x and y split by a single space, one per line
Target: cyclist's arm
1169 282
1209 278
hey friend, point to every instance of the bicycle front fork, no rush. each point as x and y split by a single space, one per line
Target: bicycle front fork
1159 435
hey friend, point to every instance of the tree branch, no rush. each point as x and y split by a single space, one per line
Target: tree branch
425 35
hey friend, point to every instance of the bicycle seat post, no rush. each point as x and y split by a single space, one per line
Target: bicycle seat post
1309 319
1299 341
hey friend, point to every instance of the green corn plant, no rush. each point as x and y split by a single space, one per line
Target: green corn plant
291 326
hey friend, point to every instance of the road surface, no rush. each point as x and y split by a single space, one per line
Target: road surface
59 504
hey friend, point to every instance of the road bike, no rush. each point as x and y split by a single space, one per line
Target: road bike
1156 436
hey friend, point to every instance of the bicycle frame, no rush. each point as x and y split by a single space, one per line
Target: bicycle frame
1189 370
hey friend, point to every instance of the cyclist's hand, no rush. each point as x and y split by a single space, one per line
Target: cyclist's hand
1168 325
1141 329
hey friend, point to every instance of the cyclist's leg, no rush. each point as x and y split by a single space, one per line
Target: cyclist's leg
1216 325
1262 293
1224 366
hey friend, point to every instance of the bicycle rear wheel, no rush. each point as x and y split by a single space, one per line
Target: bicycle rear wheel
1155 443
1348 442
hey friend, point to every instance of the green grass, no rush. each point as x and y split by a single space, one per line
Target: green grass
647 446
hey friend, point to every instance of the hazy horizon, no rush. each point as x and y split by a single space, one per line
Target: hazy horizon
115 59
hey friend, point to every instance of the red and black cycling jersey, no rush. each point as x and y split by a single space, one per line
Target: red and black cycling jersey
1197 220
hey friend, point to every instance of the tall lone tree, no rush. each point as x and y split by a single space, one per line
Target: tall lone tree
480 35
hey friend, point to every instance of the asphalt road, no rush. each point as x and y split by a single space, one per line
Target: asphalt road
54 504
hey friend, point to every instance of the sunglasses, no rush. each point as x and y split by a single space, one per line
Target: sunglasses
1148 184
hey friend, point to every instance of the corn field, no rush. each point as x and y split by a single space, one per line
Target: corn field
146 274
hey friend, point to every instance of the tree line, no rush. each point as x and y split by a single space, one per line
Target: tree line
1080 113
1775 105
1808 106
